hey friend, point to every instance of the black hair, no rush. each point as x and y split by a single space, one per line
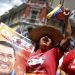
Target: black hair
29 29
5 43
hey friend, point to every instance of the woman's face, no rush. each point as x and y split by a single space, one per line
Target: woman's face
45 42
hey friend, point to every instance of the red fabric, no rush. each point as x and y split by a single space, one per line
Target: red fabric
68 64
71 68
49 64
21 58
61 15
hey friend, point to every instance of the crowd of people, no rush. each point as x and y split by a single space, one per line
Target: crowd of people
50 46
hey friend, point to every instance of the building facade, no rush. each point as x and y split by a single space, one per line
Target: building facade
33 12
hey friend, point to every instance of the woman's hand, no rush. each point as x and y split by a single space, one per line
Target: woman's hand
66 12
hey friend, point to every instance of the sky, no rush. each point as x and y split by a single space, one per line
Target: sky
6 5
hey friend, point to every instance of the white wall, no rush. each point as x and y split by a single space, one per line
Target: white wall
70 4
55 3
67 3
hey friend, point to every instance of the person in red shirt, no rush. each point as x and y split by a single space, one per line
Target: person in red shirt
50 46
45 59
68 65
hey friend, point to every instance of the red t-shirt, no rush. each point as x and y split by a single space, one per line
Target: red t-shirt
43 63
68 64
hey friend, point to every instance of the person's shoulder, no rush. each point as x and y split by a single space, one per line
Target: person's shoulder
72 51
70 55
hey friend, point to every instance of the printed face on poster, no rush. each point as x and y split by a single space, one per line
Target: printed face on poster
23 47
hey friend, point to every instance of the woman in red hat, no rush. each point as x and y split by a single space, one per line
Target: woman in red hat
45 60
